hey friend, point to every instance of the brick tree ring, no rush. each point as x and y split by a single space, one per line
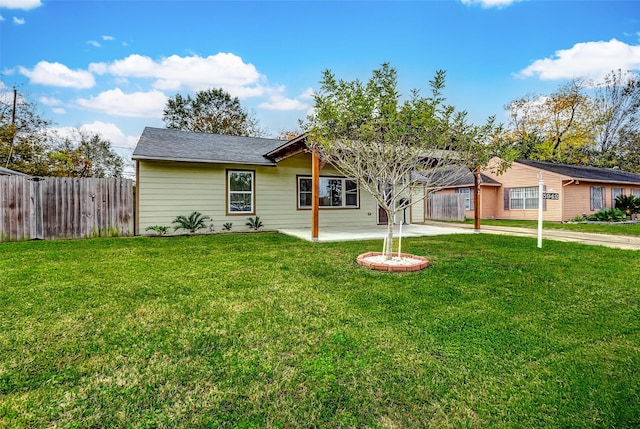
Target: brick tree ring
406 262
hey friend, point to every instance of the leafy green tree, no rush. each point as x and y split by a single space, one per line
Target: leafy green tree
389 146
23 141
617 110
85 155
210 111
557 127
583 122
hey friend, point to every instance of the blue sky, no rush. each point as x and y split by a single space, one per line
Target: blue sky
109 65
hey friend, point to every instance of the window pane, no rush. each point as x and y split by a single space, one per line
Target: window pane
240 181
240 202
350 185
352 199
305 199
335 188
305 185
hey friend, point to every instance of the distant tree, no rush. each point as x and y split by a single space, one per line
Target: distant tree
289 135
628 152
616 109
85 155
25 141
388 146
583 122
211 111
557 127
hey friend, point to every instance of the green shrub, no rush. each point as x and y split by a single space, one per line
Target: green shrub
579 218
159 229
608 215
628 204
254 223
227 226
192 223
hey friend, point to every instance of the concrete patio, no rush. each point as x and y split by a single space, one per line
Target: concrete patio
372 232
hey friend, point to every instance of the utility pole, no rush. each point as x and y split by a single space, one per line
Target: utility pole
13 127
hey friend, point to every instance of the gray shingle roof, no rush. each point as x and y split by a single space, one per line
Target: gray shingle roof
582 172
463 177
174 145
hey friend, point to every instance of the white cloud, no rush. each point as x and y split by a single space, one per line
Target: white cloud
108 38
138 104
195 73
490 3
308 94
18 21
277 101
593 59
1 18
111 132
56 74
50 101
54 103
20 4
94 43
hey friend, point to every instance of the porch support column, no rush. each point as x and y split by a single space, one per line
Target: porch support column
477 202
315 193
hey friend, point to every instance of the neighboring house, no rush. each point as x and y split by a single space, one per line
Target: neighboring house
580 189
8 172
233 178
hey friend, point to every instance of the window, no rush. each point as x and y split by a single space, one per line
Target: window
467 197
597 198
524 198
635 192
335 192
615 193
240 192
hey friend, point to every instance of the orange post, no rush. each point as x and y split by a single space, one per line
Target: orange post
315 193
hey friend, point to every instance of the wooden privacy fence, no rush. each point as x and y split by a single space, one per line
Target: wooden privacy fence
445 207
64 207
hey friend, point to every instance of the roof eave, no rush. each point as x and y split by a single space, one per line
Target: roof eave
266 163
292 147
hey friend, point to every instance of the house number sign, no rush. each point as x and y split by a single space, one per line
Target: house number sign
550 196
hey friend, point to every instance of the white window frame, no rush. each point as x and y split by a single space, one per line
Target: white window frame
343 193
251 193
467 197
526 198
615 193
599 201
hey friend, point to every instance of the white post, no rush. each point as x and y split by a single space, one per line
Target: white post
400 241
540 187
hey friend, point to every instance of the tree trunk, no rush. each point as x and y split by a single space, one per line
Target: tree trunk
388 252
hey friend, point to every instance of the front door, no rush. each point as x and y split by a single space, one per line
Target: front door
382 216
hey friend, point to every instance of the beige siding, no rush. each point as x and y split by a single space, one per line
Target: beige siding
169 189
520 176
417 209
577 199
489 202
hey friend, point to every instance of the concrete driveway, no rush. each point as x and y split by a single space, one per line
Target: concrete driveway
627 242
378 232
375 232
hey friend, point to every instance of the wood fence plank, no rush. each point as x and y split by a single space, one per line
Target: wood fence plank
65 208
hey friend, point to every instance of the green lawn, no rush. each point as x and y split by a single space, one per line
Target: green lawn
264 330
615 228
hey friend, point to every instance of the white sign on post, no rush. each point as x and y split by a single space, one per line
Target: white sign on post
540 198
